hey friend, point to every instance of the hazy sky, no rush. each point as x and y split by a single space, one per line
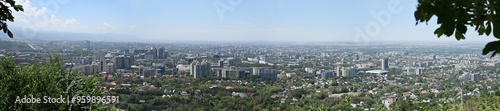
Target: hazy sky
240 20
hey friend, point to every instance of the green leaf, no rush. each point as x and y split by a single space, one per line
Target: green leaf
19 8
10 34
449 28
492 47
481 30
461 28
459 35
439 32
488 28
496 29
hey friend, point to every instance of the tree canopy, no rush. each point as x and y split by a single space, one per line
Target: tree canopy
6 14
45 80
454 16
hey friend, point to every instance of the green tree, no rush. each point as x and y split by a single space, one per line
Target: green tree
346 104
44 80
298 93
454 16
6 14
378 105
320 108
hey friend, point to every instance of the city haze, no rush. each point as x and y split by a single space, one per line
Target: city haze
233 20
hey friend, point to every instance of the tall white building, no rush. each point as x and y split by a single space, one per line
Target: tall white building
349 72
471 77
414 70
108 68
465 77
477 77
200 69
232 73
265 72
339 71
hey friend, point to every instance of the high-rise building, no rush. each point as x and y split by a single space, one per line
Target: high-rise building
477 77
190 60
419 71
200 69
414 70
262 58
471 77
108 68
326 74
191 67
124 62
268 73
255 71
87 44
126 52
339 71
465 77
349 72
101 64
221 63
264 72
385 63
88 69
160 53
146 71
232 73
120 62
96 68
153 52
230 62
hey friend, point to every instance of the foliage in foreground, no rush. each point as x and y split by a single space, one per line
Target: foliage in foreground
454 16
39 80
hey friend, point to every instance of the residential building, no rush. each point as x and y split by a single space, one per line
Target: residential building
200 69
414 71
232 73
108 68
264 72
477 77
124 62
339 71
160 53
349 72
385 64
326 74
87 44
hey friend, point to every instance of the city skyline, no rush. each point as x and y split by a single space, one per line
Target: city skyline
237 20
288 55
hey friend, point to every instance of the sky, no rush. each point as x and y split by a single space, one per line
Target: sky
234 20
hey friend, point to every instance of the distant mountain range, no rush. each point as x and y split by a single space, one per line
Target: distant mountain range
57 35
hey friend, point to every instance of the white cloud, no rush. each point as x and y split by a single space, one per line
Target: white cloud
69 22
54 20
42 18
39 18
108 26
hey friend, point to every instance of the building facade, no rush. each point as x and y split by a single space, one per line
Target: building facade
124 62
385 63
200 69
